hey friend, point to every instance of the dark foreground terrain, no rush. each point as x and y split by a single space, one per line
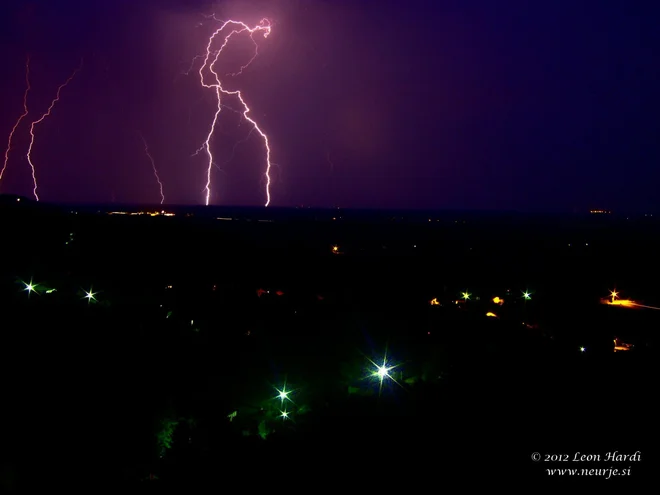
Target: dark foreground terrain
150 350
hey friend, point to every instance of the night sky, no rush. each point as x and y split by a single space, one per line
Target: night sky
475 104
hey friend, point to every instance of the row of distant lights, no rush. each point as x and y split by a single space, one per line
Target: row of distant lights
526 295
31 287
381 372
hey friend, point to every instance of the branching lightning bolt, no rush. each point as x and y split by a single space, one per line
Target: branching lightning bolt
256 52
190 67
23 115
210 58
41 119
232 155
203 146
153 166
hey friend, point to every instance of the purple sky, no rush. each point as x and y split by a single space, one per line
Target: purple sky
385 104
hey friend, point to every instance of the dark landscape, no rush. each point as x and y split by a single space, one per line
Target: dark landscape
152 348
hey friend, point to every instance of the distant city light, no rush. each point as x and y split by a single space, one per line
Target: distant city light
283 394
466 295
30 287
90 296
381 372
527 295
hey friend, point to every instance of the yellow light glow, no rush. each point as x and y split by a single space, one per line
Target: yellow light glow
622 302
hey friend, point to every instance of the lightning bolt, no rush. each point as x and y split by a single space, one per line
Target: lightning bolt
203 146
153 166
233 150
210 60
23 115
41 119
330 162
256 52
190 67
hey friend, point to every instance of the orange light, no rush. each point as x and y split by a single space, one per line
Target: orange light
434 302
623 302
